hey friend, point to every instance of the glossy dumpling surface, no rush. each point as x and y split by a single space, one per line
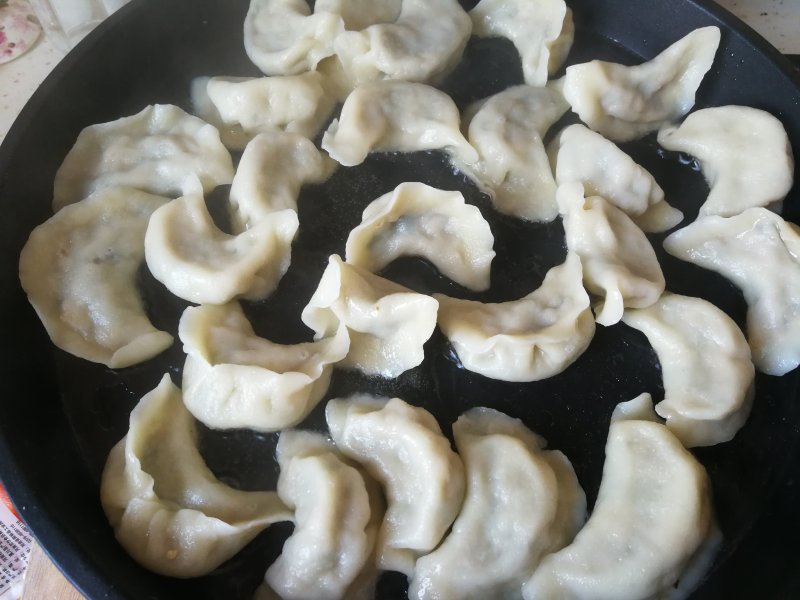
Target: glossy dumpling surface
625 103
160 150
168 510
403 448
234 378
758 251
418 220
79 270
521 503
528 339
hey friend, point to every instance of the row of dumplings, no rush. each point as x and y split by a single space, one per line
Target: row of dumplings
503 518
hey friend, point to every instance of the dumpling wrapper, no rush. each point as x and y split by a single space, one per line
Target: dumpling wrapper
521 503
624 103
160 150
529 339
79 269
418 220
581 155
232 378
388 324
403 448
168 510
705 364
619 264
744 153
758 251
396 116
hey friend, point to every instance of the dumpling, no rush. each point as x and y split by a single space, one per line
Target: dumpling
533 26
652 517
387 323
200 263
521 504
507 131
419 220
583 156
160 150
403 448
619 264
705 365
396 116
423 42
270 174
625 103
529 339
232 378
337 512
283 37
242 107
744 152
758 251
79 271
168 510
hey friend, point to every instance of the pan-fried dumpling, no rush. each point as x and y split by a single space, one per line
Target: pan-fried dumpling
243 107
79 270
619 264
396 116
758 251
403 448
625 103
168 510
533 26
198 262
388 324
652 517
507 131
273 168
337 512
745 155
419 220
521 503
587 157
232 378
705 364
160 150
532 338
283 37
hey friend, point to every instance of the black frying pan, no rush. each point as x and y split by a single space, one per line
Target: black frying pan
60 415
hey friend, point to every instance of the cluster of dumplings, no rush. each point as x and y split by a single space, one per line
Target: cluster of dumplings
383 490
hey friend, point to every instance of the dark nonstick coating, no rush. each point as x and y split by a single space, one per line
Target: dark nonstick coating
60 415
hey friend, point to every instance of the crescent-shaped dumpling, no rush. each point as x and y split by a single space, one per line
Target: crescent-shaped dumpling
625 103
396 116
79 271
233 378
168 510
533 26
418 220
619 264
403 448
744 152
337 512
160 150
387 323
521 504
760 253
705 365
652 516
583 156
507 131
528 339
200 263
